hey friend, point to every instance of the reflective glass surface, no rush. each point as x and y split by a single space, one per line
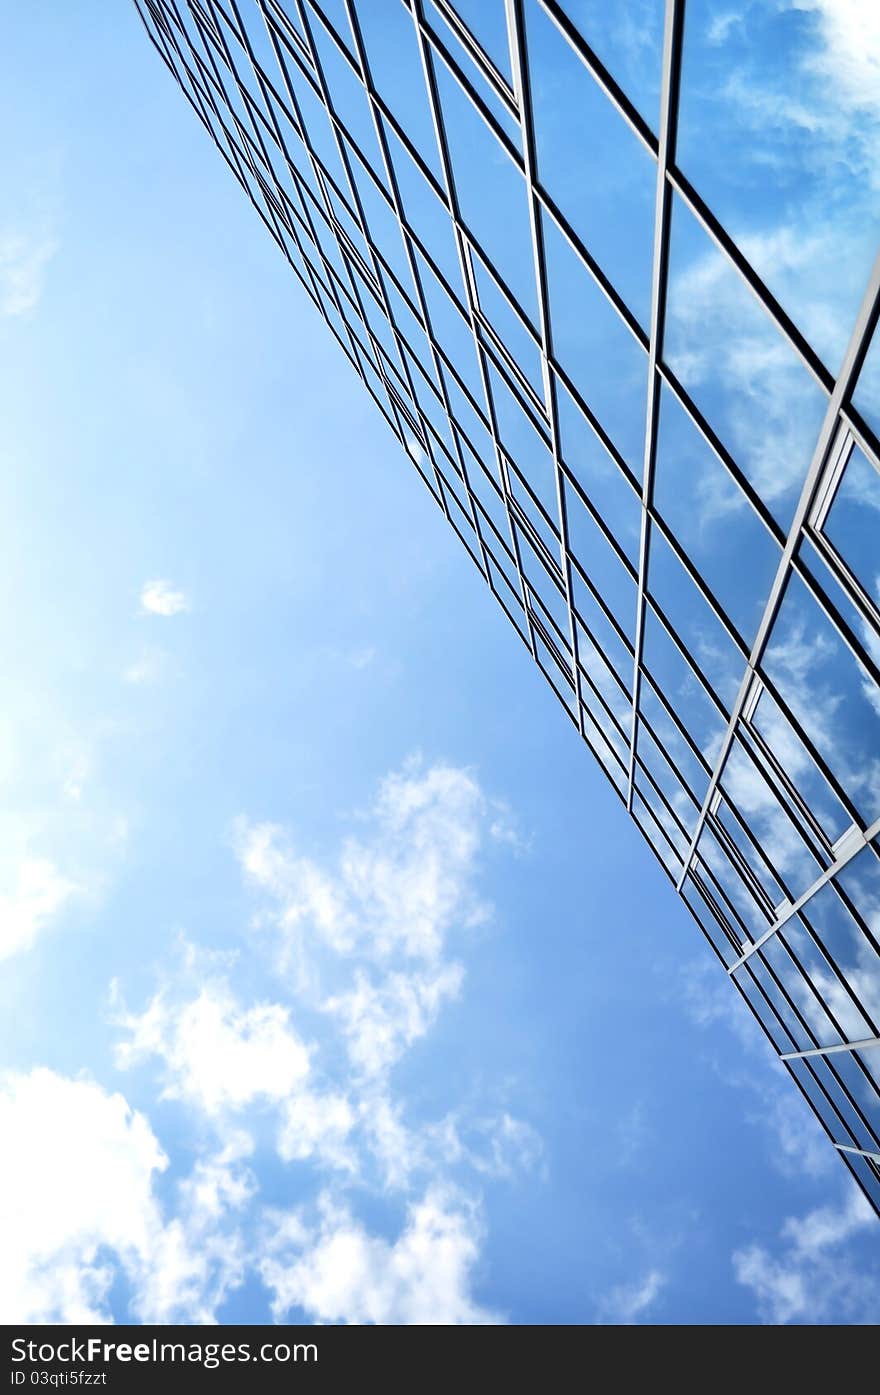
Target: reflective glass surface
610 355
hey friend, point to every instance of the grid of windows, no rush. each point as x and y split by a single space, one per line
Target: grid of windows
522 240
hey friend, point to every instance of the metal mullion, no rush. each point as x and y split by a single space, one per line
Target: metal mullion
763 856
846 579
736 926
856 350
536 190
479 57
672 37
605 705
437 43
248 149
695 881
655 520
864 436
832 1050
519 60
608 614
362 226
195 5
854 846
288 25
320 174
505 361
237 157
860 1153
451 201
683 733
423 315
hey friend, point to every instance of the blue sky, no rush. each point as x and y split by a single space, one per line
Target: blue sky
337 986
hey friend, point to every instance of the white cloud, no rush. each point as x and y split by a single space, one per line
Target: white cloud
812 1278
400 891
319 1126
381 1022
23 262
849 57
369 933
217 1055
336 1271
77 1173
77 1204
162 598
627 1302
39 893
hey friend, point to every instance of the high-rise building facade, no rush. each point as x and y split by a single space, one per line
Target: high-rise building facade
609 272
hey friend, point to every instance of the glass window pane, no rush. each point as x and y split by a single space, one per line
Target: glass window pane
749 384
694 621
832 697
487 21
778 130
599 476
685 693
853 522
523 442
595 168
627 37
679 753
508 326
712 519
786 747
608 367
392 53
769 822
491 192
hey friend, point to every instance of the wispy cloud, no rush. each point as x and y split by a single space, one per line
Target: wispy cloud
363 973
163 598
72 1218
24 258
336 1271
37 894
810 1276
628 1302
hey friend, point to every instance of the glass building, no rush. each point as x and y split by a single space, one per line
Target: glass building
608 272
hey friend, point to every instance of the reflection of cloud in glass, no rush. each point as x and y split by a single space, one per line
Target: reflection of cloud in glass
780 132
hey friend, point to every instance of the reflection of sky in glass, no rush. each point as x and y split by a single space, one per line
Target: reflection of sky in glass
598 172
774 147
694 620
627 36
607 366
748 383
853 522
712 519
836 703
779 130
770 825
771 723
672 673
